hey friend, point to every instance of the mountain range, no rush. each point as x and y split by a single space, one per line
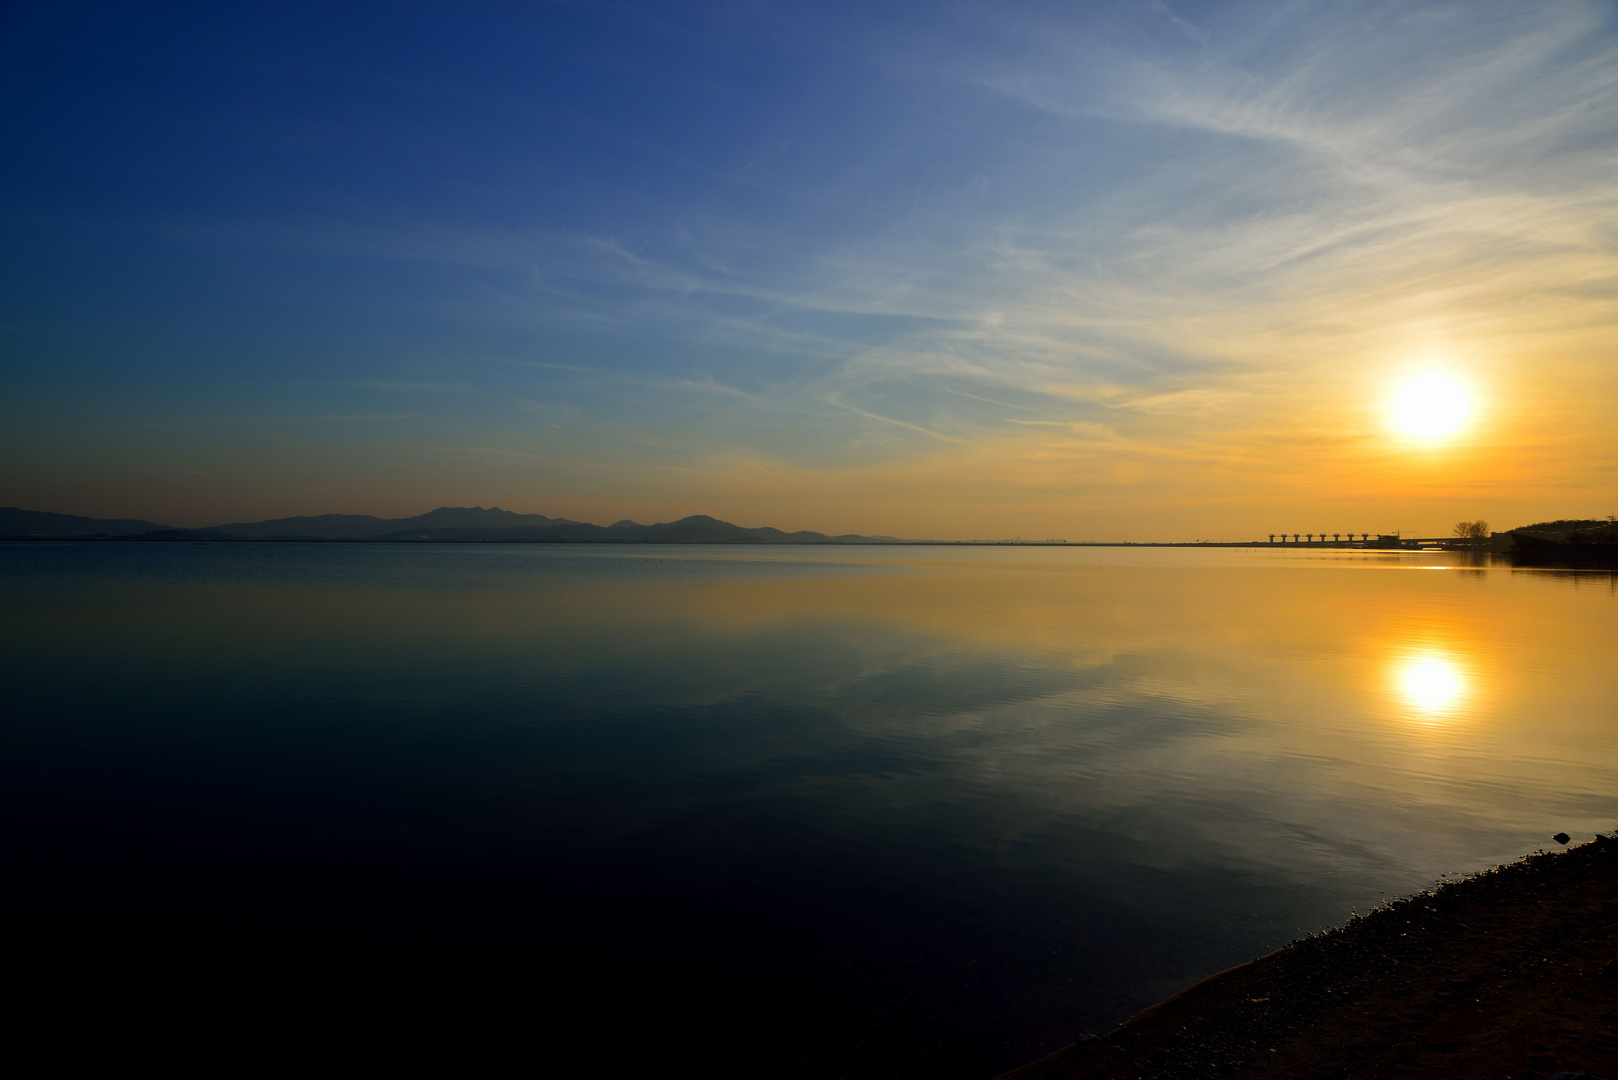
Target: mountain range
474 524
447 523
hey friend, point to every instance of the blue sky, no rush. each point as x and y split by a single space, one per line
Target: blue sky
1050 269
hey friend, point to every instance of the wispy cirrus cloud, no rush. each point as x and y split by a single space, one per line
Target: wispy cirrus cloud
1174 248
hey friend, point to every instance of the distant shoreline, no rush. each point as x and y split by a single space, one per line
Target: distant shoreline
215 539
1548 541
476 524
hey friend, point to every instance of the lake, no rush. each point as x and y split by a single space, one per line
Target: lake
866 811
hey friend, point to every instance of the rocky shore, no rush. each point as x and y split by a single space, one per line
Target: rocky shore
1512 973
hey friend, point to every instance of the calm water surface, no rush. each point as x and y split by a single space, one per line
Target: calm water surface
905 811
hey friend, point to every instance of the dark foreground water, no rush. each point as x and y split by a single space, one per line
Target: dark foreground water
829 812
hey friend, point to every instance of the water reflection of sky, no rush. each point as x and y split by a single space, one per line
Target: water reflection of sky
1035 788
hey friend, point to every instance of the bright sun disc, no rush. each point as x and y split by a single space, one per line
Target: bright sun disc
1431 406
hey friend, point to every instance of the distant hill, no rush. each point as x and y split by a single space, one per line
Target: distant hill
39 525
447 524
1558 528
697 529
365 527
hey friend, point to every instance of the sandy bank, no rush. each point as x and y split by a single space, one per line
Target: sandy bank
1513 973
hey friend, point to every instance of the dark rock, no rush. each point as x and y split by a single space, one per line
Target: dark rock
1561 838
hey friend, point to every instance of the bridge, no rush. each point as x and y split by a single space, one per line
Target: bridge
1356 540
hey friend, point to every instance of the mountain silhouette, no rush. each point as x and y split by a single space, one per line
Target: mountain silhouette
696 529
40 525
446 524
365 527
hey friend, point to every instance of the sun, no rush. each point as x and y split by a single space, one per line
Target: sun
1431 407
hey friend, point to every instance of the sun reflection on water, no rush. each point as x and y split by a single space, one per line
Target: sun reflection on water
1434 686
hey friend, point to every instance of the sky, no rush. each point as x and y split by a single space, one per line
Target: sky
1095 271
